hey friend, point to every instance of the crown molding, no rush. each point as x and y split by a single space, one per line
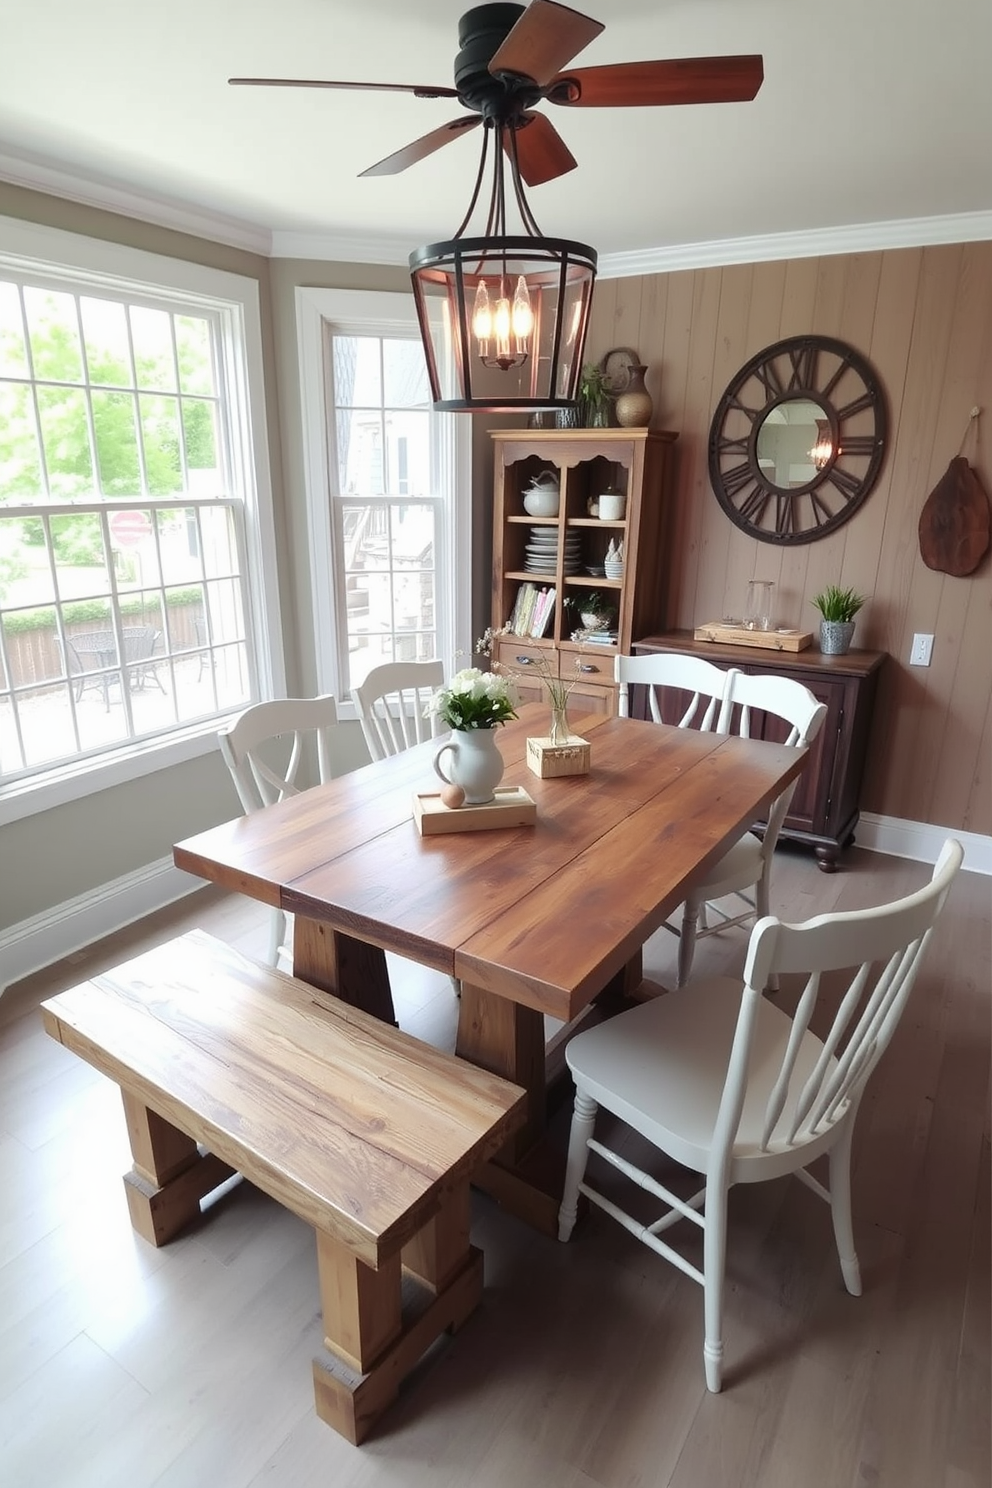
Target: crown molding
93 191
340 248
37 174
861 237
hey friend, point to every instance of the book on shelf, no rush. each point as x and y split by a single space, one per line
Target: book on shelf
596 637
543 613
533 610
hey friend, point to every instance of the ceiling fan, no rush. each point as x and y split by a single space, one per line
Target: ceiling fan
513 57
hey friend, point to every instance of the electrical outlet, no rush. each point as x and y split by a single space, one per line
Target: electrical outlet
922 650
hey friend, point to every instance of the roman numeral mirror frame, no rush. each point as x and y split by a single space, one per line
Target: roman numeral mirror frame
797 440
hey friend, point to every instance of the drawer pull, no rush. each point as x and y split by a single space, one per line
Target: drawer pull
588 668
526 661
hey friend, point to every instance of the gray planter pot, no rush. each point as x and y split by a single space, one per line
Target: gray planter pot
836 636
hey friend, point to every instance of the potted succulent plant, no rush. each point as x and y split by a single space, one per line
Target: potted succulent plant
837 608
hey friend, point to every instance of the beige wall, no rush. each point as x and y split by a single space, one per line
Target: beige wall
924 320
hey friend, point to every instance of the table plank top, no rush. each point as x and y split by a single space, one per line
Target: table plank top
542 914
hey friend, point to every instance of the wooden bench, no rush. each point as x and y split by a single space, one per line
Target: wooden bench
368 1134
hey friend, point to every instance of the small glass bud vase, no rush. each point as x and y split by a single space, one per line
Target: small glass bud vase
559 731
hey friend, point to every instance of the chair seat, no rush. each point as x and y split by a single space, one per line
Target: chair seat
739 868
662 1068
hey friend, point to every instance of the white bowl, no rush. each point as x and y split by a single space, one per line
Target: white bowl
542 503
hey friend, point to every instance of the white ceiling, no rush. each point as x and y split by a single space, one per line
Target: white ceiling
871 112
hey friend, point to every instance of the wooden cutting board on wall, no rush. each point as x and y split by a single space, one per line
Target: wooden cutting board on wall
954 522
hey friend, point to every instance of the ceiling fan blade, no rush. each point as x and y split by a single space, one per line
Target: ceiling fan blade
643 84
542 154
544 40
418 149
420 90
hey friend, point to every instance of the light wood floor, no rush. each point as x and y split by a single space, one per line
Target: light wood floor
123 1367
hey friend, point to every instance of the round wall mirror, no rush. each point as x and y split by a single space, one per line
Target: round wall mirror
797 440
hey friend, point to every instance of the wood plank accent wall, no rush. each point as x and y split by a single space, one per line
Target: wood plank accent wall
923 317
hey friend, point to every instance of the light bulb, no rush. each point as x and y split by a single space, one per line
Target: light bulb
501 326
482 319
523 316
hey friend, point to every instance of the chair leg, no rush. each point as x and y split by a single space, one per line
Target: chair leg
583 1121
277 936
714 1266
840 1210
760 910
687 939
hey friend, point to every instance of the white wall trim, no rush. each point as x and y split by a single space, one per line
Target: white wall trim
375 312
342 248
37 174
68 927
861 237
235 298
921 841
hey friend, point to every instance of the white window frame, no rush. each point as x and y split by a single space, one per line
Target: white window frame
370 313
26 246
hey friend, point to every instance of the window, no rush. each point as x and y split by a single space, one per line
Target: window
130 519
383 473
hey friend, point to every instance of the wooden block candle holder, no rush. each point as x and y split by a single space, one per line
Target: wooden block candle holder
548 760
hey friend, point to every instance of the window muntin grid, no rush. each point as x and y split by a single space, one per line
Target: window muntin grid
119 512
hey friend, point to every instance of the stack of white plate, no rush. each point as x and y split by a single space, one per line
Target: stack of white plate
541 553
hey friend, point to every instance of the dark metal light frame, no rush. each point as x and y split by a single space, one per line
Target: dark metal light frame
559 275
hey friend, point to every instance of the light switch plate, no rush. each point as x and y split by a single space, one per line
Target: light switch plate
922 650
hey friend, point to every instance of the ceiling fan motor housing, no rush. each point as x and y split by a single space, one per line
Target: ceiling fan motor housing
481 33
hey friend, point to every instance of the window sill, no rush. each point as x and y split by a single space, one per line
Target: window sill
79 778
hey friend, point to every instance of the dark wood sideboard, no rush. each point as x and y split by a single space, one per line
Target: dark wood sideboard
824 810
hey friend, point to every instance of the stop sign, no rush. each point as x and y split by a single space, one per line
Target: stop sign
129 529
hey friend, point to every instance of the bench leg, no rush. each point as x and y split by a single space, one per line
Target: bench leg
374 1334
437 1252
169 1177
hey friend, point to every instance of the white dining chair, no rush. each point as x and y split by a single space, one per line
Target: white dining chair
391 705
706 684
392 709
724 701
264 749
728 1085
743 874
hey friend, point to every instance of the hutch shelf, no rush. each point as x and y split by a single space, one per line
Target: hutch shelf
586 462
824 810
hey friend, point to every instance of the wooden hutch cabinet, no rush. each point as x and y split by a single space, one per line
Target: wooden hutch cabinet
824 810
586 463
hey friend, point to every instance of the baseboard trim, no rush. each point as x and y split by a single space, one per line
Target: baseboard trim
64 929
921 841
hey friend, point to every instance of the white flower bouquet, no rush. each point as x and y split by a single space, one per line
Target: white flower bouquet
474 700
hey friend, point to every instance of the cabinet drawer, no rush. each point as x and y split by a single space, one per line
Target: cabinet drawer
588 666
517 654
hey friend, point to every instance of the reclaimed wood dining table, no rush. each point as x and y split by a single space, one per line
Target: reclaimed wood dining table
534 921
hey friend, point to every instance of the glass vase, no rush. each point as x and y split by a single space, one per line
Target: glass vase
560 731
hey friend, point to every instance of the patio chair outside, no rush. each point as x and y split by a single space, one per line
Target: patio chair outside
82 648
